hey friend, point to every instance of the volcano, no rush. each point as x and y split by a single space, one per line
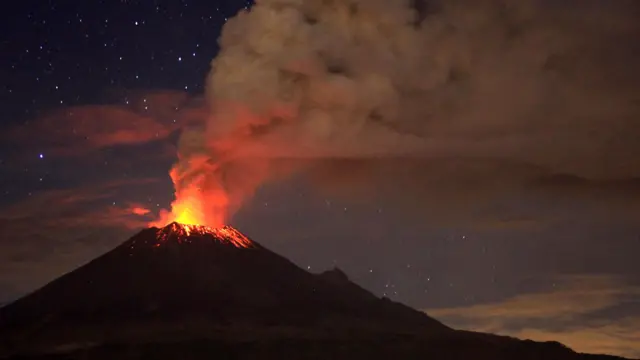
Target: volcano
189 291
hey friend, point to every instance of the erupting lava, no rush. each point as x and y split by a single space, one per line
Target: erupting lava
184 233
197 213
198 201
186 209
193 204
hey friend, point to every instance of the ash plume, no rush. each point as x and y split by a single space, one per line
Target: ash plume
491 93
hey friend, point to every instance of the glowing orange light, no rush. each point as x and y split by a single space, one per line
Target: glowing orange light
182 233
139 210
193 205
187 208
196 212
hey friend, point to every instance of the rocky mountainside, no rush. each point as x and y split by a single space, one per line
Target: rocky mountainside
192 292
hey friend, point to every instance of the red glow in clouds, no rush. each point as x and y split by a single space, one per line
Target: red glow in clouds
200 199
216 170
140 211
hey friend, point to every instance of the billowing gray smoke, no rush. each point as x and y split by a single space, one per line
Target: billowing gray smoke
470 91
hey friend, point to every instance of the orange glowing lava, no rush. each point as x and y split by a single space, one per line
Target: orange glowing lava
199 210
187 208
198 200
185 233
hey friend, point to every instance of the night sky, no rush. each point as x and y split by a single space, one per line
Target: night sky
94 96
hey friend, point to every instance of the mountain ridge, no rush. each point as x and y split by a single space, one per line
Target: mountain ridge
180 286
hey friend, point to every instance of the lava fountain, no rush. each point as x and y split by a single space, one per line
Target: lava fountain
200 208
200 200
186 234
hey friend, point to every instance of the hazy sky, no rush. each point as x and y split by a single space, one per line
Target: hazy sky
478 161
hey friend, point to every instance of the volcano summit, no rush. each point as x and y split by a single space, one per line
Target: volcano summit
183 233
196 276
188 291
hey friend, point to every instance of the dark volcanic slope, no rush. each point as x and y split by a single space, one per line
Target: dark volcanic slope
167 295
205 279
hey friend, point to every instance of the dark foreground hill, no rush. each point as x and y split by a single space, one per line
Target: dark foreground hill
197 293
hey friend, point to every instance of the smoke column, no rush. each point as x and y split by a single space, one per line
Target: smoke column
346 85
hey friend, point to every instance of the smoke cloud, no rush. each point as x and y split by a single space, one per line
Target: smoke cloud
470 94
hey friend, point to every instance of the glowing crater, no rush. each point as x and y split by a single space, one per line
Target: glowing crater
184 233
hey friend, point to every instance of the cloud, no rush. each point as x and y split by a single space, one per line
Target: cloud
486 194
480 97
138 209
138 118
620 338
44 235
90 205
580 311
361 79
576 296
